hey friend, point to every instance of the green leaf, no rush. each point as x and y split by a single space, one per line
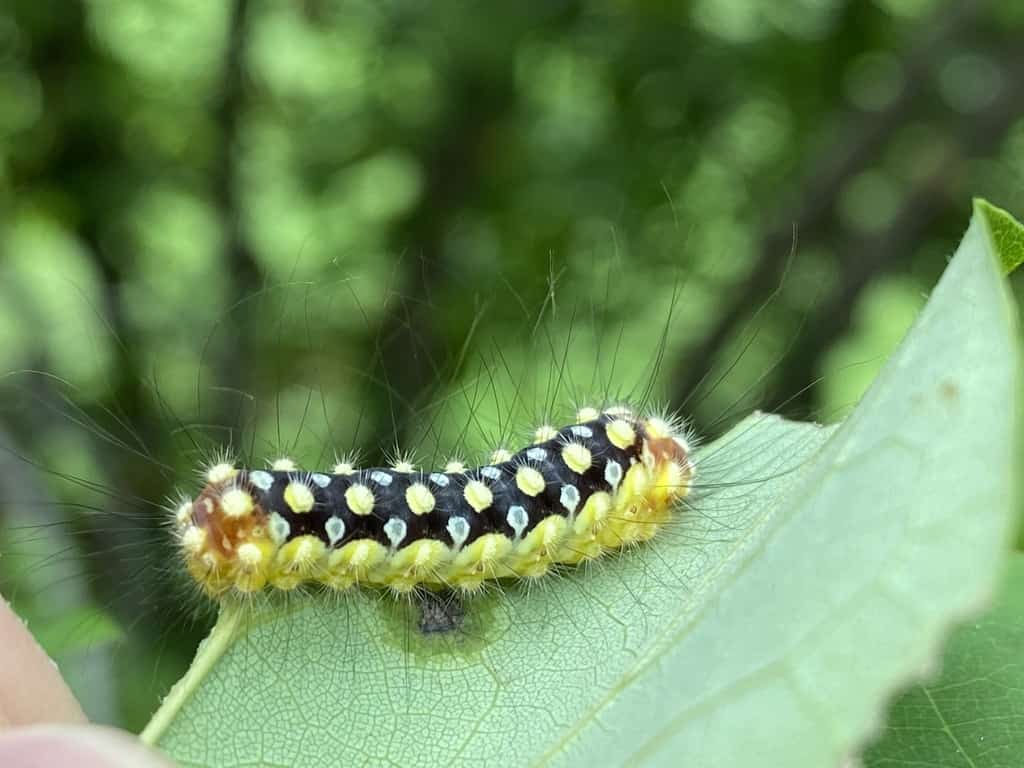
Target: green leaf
819 571
973 715
1006 232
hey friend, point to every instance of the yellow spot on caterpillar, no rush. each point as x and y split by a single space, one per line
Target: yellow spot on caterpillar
193 540
297 561
576 457
298 496
500 456
619 411
587 414
478 495
657 428
236 503
420 499
530 481
344 468
360 499
621 433
455 467
544 433
404 466
221 473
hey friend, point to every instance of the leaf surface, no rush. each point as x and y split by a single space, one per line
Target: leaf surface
818 570
973 715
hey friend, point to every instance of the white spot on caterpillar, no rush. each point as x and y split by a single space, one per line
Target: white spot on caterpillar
262 480
455 467
220 473
536 454
403 466
183 514
458 529
613 474
478 495
249 554
359 499
236 503
279 529
500 456
381 478
298 496
284 464
344 468
335 529
320 479
492 473
582 431
587 414
193 540
570 498
517 519
657 428
438 479
395 529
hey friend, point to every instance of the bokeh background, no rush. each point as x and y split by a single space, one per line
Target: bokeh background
302 225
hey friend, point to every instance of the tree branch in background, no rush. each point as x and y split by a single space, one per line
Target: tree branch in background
409 354
835 167
865 258
241 270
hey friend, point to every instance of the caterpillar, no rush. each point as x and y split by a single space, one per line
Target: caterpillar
607 481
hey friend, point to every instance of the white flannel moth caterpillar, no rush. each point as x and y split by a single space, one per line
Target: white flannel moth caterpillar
605 482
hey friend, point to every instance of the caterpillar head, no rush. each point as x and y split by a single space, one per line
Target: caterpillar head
223 533
667 453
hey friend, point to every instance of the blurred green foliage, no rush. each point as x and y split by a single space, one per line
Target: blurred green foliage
291 225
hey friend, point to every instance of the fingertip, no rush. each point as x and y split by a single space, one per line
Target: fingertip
84 746
31 687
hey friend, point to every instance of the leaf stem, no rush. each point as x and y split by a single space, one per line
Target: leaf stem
210 650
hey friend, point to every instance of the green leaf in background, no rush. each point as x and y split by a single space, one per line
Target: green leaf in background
819 572
973 715
1006 232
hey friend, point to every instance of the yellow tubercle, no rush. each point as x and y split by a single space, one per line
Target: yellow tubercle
301 559
352 563
414 564
483 559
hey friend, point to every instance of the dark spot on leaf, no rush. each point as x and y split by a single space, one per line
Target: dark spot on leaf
440 612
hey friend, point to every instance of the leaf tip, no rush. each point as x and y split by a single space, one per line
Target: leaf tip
1005 233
